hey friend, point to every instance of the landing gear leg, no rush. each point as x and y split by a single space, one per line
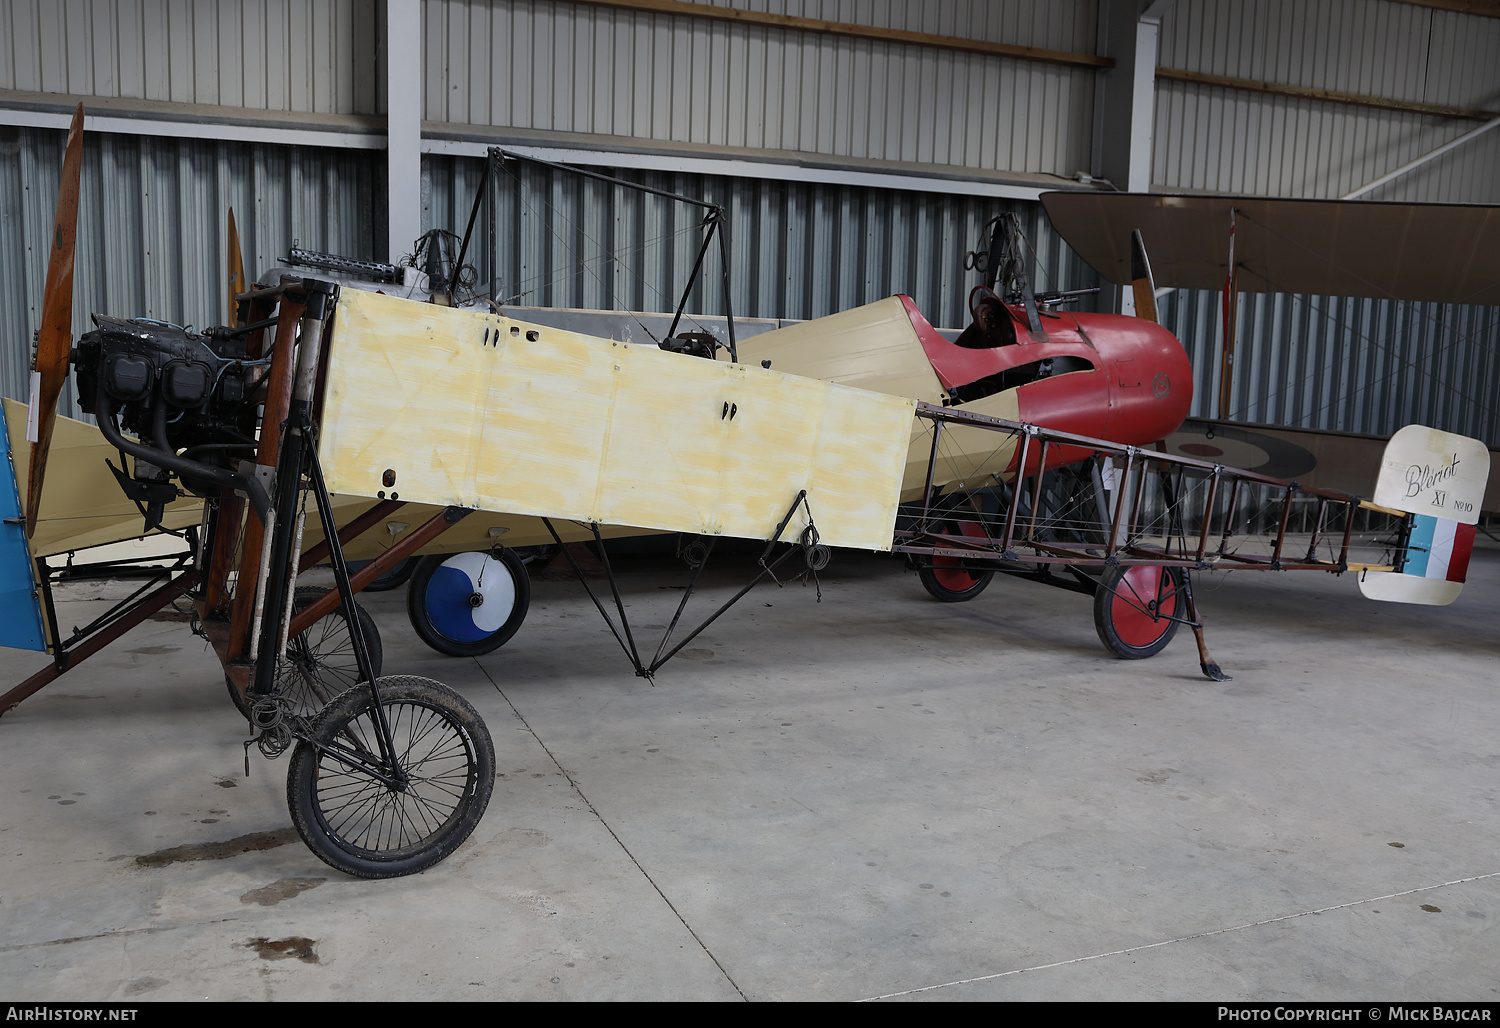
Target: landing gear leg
1210 669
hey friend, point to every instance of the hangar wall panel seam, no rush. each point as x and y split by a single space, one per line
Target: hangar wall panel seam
276 55
1217 139
562 67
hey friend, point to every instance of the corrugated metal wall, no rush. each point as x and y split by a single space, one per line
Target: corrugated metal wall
661 80
151 234
1328 362
151 225
151 230
151 244
276 55
1218 139
1346 364
574 68
798 250
1315 362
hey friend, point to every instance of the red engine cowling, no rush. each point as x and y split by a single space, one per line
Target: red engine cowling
1109 376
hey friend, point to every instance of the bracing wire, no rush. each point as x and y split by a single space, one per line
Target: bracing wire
1406 363
1174 506
1036 259
592 266
1403 362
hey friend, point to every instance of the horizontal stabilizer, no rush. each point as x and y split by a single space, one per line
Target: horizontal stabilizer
1439 479
1425 471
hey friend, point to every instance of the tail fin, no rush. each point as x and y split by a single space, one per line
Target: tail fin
1438 478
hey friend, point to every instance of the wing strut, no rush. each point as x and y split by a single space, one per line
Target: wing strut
1231 310
815 555
1143 284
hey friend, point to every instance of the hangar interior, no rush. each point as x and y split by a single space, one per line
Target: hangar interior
840 792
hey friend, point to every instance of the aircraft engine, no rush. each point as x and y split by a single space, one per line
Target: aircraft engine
181 394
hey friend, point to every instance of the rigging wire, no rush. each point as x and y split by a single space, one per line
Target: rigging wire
1409 363
580 264
541 280
1403 362
524 192
1036 260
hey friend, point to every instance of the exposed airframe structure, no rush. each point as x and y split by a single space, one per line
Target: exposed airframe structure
397 401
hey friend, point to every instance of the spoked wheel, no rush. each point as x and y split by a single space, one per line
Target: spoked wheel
947 579
468 603
319 664
371 828
1134 608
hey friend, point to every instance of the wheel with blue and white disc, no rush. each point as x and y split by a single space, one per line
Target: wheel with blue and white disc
465 604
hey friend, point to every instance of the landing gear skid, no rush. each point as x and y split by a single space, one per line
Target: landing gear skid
1210 669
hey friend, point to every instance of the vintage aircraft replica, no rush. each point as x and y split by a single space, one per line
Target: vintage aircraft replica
866 430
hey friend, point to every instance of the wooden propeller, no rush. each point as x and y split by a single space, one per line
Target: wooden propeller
236 264
56 335
1142 284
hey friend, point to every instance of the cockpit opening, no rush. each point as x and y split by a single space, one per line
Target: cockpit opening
1022 374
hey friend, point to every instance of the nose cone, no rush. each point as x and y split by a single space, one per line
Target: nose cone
1150 379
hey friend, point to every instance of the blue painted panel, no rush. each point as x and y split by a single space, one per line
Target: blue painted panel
20 606
1419 548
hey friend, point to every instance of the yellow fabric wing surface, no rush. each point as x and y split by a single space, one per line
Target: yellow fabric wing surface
481 411
875 347
82 505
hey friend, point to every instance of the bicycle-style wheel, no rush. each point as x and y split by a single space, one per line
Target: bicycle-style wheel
319 664
373 828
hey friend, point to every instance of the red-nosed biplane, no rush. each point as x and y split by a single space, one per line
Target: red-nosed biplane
315 392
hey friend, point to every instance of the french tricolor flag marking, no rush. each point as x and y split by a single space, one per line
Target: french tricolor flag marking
1439 548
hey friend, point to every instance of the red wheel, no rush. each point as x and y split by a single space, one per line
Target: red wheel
1134 610
948 580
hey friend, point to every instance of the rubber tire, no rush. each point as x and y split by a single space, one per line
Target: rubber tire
439 617
946 580
1127 630
329 649
392 579
423 714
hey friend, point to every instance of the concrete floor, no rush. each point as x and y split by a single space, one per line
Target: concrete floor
875 796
